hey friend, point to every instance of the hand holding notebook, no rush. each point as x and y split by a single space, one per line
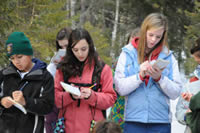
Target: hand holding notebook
59 55
17 105
71 89
160 63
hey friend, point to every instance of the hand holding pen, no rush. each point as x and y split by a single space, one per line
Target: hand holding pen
86 92
18 95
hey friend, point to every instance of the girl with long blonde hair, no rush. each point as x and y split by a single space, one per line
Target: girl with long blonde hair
147 88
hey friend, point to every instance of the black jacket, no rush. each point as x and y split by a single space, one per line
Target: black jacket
39 97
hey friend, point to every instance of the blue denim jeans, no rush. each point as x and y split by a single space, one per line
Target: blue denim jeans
136 127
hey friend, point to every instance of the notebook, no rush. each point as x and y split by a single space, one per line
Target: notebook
70 89
19 106
160 63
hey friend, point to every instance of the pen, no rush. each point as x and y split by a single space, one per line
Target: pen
23 86
92 86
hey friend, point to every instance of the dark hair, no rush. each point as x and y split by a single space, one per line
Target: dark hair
70 65
196 47
107 127
64 33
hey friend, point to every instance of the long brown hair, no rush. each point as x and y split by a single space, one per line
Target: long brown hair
152 21
70 65
63 33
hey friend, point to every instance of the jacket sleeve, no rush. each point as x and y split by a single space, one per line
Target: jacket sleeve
172 88
1 91
181 109
44 104
59 93
195 102
107 96
52 69
125 85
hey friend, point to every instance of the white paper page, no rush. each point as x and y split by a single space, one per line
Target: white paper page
57 57
160 63
19 106
71 89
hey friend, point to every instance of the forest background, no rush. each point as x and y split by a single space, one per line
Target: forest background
108 21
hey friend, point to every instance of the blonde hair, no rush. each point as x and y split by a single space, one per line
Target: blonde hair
152 21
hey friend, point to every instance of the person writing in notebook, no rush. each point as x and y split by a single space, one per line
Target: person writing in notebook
187 109
82 67
28 83
62 40
148 89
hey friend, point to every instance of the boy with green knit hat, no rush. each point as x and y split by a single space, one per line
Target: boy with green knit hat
18 43
25 82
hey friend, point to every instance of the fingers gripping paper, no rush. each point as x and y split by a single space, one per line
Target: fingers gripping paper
71 89
160 63
57 57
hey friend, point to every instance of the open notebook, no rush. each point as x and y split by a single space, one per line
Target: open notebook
160 63
70 89
57 57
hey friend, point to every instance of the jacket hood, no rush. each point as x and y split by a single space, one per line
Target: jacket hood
38 64
135 41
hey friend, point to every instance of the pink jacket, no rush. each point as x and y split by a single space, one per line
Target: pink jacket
78 119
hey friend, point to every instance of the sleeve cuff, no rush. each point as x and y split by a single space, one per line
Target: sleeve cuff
72 97
141 78
156 80
92 99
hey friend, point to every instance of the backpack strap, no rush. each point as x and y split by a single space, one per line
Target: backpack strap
96 78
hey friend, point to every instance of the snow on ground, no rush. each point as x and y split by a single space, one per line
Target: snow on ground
176 126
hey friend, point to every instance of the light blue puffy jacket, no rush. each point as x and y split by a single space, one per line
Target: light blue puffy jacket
146 103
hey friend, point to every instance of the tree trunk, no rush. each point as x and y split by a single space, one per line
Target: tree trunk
73 2
32 14
114 32
67 8
82 16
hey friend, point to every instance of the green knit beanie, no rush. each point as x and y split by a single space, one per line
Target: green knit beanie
18 43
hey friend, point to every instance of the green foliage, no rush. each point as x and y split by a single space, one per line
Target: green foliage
6 22
189 65
42 19
100 42
42 27
192 34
